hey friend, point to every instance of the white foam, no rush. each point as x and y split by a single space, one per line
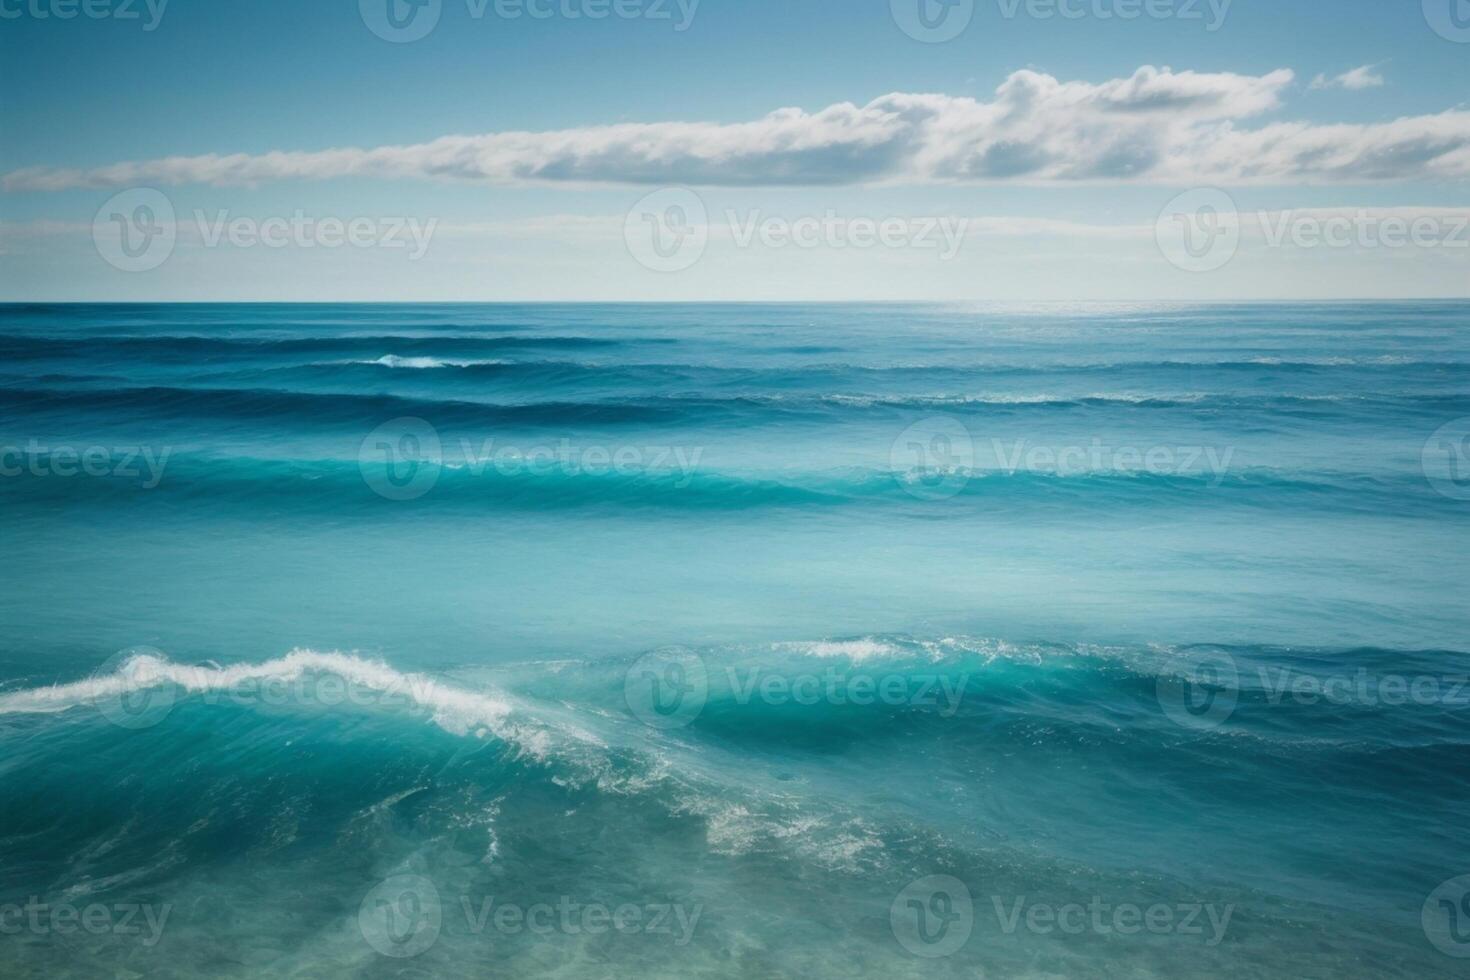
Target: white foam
424 363
854 650
456 710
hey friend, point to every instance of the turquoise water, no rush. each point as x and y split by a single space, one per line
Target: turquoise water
734 640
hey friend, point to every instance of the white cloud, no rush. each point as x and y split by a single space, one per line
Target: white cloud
1157 126
1356 80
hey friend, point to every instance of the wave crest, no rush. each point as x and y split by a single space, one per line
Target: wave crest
456 710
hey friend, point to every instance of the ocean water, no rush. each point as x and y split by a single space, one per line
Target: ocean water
734 641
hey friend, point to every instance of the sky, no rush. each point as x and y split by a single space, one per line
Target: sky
598 150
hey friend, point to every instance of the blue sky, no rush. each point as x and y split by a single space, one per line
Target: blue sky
83 94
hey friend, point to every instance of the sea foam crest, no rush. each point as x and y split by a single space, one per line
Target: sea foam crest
426 363
455 709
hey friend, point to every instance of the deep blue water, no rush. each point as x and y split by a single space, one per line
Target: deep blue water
857 640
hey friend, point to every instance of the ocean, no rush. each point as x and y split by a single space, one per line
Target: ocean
734 640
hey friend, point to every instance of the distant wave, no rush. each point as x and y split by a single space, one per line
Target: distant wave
190 346
671 482
456 348
739 408
426 363
302 406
